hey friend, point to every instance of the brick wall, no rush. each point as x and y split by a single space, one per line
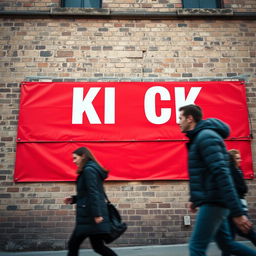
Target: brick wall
237 5
32 214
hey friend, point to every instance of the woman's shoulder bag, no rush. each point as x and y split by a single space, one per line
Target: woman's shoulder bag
117 226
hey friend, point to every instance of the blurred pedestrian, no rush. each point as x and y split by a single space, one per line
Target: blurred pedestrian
92 219
212 190
242 190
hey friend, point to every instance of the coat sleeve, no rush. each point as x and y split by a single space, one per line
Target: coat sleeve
214 154
91 179
74 199
240 184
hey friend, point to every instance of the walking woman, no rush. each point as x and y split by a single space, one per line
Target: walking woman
91 210
242 190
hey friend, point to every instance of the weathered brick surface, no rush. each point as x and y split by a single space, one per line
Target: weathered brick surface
160 5
32 214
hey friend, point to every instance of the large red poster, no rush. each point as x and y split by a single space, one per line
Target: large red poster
131 127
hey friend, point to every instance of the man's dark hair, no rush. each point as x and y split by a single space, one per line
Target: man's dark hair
193 110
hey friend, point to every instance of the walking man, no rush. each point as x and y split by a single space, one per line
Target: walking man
212 192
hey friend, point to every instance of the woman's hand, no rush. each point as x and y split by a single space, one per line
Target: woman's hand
243 223
68 200
98 219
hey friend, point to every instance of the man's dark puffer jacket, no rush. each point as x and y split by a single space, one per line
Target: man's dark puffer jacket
210 179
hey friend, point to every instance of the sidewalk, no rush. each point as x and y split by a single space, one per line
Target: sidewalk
157 250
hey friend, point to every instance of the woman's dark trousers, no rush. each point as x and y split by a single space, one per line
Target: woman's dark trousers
96 241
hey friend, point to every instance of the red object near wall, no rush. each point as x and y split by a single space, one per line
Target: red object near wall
131 127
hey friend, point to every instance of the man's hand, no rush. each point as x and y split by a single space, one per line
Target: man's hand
98 219
192 208
68 200
243 223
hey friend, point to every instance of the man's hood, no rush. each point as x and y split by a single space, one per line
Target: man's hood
213 124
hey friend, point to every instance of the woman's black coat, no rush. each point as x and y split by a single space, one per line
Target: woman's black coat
90 200
238 178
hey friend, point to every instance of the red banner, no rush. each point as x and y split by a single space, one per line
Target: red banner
131 127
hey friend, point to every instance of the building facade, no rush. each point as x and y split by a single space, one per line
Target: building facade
124 40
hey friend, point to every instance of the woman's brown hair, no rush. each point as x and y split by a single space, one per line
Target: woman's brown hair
83 151
232 154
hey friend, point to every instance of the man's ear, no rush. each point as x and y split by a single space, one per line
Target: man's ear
190 118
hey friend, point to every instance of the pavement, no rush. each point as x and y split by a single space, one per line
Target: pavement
156 250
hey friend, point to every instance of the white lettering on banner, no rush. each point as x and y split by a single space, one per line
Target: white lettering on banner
109 113
180 100
81 105
150 105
